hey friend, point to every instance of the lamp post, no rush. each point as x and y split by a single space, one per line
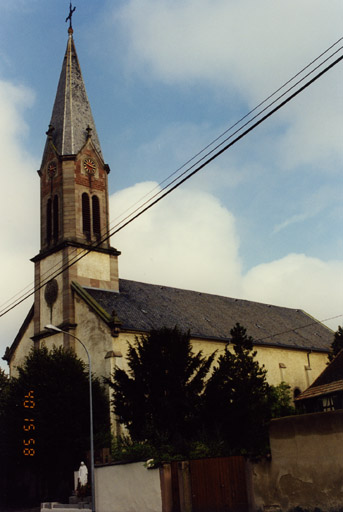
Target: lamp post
53 328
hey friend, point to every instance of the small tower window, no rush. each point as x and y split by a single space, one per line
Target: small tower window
96 216
86 217
55 222
48 221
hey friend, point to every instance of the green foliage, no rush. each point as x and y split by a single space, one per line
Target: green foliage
237 405
337 343
159 399
174 409
58 381
4 389
281 400
125 449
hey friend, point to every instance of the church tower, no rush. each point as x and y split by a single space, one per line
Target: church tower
74 212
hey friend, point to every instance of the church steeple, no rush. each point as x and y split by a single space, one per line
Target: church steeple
74 192
74 204
71 114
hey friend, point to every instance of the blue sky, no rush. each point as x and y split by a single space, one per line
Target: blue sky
164 78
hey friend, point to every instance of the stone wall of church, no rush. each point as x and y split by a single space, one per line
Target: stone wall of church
295 367
22 349
102 267
96 336
54 314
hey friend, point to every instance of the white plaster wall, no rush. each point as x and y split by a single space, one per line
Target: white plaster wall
52 263
96 336
127 488
95 265
22 350
294 361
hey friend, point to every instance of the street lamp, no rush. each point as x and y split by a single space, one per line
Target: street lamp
53 328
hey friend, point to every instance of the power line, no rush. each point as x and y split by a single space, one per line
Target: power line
143 208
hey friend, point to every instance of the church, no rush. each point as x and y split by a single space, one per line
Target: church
77 283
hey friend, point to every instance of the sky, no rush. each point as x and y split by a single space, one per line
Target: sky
164 78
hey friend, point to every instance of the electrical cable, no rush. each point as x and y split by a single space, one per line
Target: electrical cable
162 195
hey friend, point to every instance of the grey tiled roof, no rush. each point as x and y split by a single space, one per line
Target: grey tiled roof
142 307
71 113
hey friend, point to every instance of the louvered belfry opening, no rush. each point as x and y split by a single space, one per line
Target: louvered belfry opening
96 216
48 221
55 219
86 215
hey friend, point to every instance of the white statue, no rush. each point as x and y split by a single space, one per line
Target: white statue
83 474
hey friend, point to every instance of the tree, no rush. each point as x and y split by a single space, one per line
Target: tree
159 399
4 386
281 400
337 344
238 399
47 424
167 397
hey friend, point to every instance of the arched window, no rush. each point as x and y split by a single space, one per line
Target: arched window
55 218
48 221
86 215
96 216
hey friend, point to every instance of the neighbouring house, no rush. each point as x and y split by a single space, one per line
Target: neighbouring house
77 284
326 392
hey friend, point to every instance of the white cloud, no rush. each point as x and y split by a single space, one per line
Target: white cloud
247 48
314 126
176 242
190 241
19 202
299 281
228 42
19 206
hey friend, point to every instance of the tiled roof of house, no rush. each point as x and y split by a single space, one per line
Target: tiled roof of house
142 307
324 389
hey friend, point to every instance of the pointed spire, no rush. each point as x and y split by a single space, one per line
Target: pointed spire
71 114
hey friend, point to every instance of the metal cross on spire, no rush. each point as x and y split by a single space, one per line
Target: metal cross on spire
71 10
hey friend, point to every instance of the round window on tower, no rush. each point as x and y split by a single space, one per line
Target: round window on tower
51 292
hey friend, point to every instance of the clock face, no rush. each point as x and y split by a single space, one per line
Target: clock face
52 168
89 166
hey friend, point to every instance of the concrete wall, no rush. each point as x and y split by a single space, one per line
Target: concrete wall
127 488
306 468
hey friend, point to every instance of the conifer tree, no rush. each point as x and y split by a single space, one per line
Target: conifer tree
337 344
159 398
46 441
237 405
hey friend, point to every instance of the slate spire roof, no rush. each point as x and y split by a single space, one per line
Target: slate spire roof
71 115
